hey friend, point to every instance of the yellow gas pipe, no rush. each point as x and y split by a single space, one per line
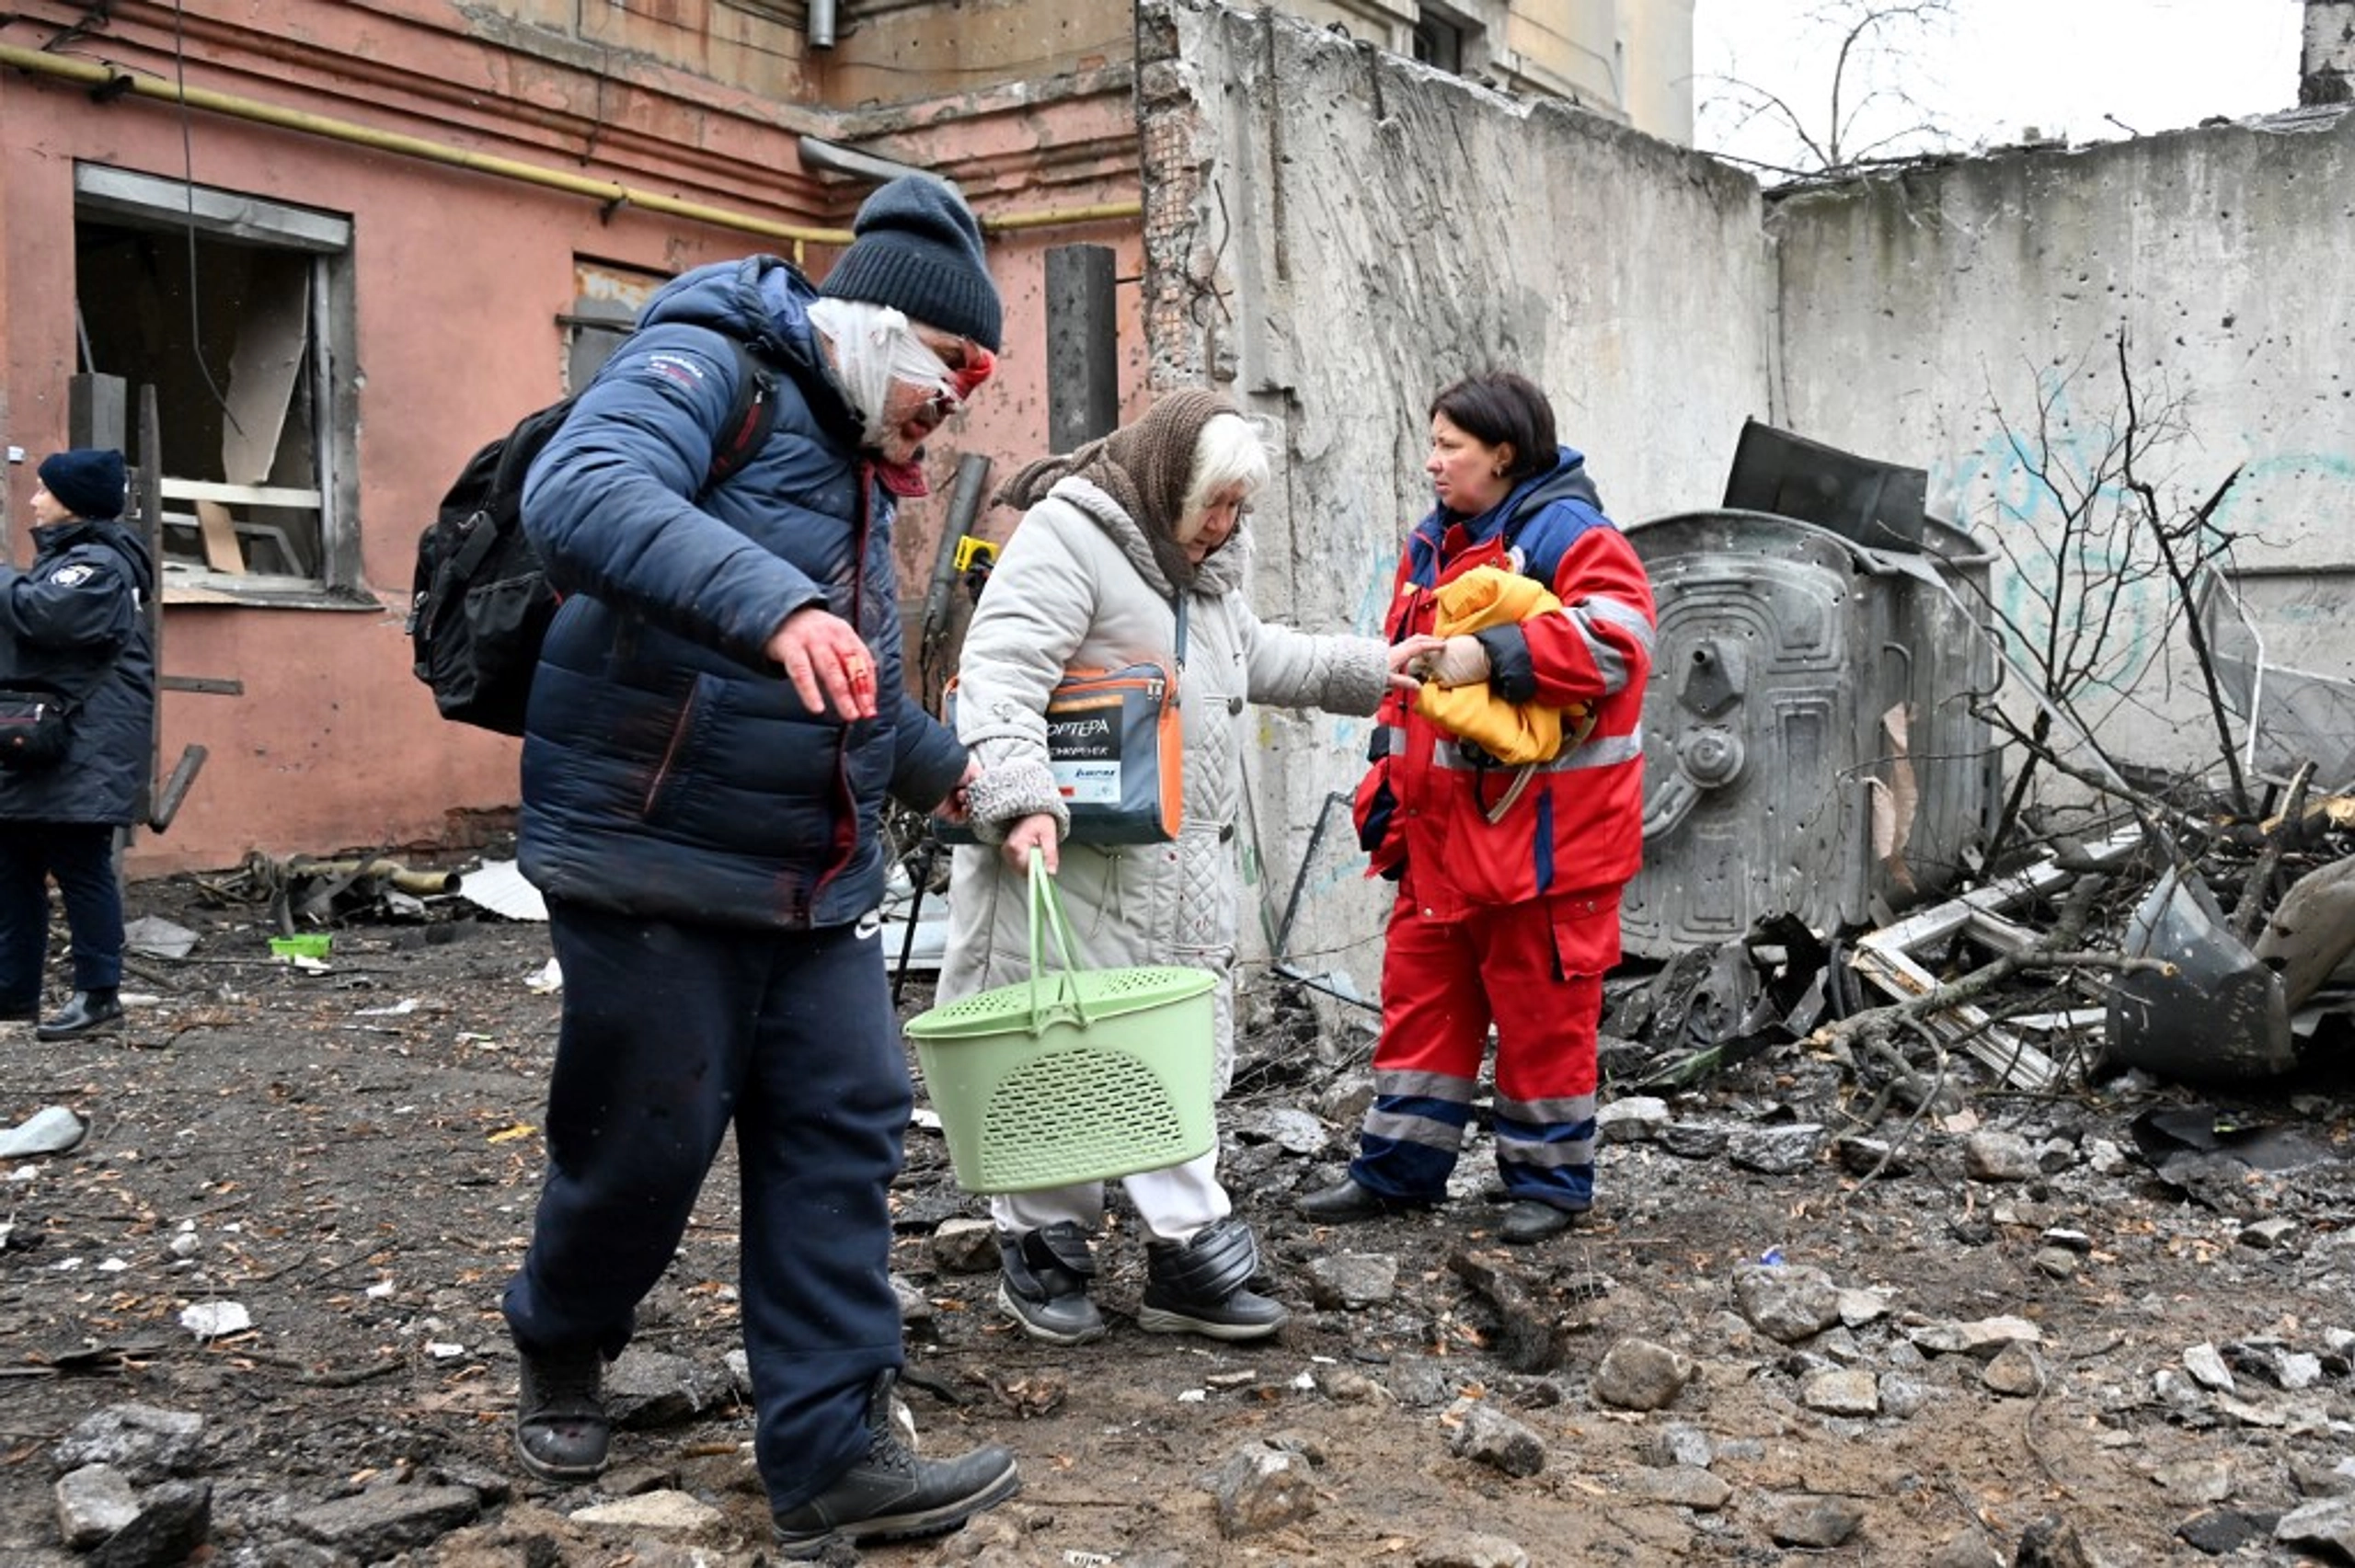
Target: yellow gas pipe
606 192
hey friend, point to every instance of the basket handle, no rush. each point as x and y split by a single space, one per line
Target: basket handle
1043 901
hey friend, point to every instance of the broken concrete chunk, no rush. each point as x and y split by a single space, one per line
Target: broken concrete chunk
1846 1392
174 1520
1775 1151
1858 1308
52 1129
1679 1486
965 1245
142 1442
1353 1281
1637 1374
1491 1436
92 1504
1294 1131
2328 1523
1462 1548
1788 1302
1637 1119
386 1520
2207 1368
1693 1140
1262 1488
1999 1157
1821 1523
1983 1339
2017 1371
216 1320
1902 1396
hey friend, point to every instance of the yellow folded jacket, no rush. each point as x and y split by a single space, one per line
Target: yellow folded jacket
1514 733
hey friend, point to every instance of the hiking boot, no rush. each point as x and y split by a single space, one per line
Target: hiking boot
1043 1286
1349 1200
561 1432
87 1014
1203 1286
892 1494
1527 1220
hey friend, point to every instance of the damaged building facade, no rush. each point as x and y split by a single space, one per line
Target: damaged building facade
1960 316
390 228
345 244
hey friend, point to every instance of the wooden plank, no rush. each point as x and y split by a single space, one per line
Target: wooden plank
220 531
272 335
241 494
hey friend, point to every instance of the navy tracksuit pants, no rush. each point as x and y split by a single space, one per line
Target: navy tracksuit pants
81 857
671 1033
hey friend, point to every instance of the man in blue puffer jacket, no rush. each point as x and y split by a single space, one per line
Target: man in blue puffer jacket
717 717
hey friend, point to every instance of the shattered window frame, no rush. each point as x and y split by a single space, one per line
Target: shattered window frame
238 310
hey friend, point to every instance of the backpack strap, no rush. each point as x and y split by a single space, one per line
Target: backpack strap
751 415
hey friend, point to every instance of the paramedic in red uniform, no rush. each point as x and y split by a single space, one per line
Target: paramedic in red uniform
1508 877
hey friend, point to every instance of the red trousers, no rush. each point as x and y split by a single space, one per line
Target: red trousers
1534 971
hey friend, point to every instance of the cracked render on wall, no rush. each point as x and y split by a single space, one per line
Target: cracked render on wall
1333 233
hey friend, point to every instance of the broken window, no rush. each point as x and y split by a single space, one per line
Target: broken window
237 311
606 299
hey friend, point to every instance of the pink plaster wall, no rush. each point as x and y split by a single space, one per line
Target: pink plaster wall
460 277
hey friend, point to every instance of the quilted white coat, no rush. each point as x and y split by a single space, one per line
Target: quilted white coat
1077 587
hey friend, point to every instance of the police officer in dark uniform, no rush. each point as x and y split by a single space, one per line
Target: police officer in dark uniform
72 627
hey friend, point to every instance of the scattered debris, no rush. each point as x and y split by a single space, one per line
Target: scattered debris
216 1320
499 886
52 1129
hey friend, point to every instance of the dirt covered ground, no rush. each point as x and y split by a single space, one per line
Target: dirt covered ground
2025 1339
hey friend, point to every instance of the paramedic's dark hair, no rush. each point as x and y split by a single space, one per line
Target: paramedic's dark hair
1503 408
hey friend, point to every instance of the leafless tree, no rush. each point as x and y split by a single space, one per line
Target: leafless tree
2108 540
1869 114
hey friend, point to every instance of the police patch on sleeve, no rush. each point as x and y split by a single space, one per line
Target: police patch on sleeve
73 575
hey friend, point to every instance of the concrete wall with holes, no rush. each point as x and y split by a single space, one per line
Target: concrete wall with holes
1969 318
1332 234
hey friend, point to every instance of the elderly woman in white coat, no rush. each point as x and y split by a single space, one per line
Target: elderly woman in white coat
1112 536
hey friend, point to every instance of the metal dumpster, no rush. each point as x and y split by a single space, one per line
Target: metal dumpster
1808 744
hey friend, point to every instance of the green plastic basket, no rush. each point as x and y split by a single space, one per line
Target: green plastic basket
1072 1076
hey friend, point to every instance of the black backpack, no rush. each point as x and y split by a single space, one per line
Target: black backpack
481 602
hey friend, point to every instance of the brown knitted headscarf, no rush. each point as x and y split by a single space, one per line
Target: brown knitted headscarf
1145 467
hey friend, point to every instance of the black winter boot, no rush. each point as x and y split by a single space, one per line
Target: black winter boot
892 1494
1203 1286
90 1012
1045 1286
561 1431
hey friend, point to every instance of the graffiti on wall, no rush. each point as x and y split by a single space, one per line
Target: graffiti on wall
2049 493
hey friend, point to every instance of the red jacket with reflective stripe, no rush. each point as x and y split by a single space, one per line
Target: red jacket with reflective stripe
1577 823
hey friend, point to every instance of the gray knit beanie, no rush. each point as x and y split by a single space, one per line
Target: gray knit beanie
919 251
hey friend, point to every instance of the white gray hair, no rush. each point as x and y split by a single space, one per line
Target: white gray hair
1231 451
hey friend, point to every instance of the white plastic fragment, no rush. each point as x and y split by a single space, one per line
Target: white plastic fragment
210 1320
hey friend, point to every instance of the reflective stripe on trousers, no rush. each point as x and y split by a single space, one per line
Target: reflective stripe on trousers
1534 970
